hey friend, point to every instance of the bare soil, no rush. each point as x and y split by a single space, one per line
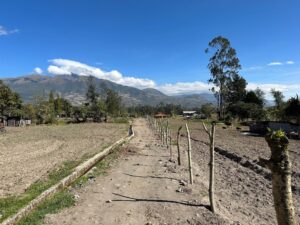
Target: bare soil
145 187
28 154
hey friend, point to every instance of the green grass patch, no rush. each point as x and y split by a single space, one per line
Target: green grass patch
121 120
52 205
10 205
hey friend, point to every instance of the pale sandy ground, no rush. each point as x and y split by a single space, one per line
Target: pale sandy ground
142 188
28 154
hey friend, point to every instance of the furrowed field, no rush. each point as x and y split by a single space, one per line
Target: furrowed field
244 189
30 154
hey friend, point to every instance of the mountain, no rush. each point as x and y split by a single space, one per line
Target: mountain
73 88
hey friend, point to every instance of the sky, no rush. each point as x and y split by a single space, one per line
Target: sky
152 43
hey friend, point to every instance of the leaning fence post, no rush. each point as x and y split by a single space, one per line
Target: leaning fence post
280 166
211 135
189 153
178 148
170 142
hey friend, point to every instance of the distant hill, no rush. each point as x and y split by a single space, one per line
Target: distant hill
73 88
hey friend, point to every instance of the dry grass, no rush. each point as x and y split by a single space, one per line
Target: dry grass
29 154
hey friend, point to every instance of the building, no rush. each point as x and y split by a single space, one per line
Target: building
15 121
189 114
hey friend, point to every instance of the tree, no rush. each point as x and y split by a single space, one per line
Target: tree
292 110
44 111
207 109
244 110
256 97
113 102
236 89
28 111
223 65
278 110
10 102
92 98
278 98
280 166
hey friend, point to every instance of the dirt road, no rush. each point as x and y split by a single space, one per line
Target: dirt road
144 187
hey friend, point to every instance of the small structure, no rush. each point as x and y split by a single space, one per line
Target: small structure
160 115
15 121
189 114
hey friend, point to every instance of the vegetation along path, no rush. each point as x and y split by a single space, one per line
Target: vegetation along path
146 187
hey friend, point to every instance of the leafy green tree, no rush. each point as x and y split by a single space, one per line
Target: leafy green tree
292 110
278 110
67 108
278 98
10 102
113 102
58 105
223 65
207 109
44 112
29 111
91 94
236 89
255 97
80 113
244 111
94 109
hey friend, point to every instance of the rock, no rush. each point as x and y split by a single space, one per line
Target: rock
109 201
182 183
76 197
179 190
172 160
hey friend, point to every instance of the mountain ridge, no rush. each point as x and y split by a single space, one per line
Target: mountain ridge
73 87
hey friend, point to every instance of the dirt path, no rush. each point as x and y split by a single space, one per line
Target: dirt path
144 187
141 189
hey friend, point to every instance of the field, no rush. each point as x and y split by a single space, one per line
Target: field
30 154
244 192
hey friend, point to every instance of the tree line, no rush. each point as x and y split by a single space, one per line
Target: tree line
47 110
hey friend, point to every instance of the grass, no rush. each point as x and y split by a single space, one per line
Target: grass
60 200
10 205
53 204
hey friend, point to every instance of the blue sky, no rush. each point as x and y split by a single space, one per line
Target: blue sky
151 43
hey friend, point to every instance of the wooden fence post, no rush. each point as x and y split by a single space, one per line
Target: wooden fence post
280 166
178 147
189 153
170 143
211 135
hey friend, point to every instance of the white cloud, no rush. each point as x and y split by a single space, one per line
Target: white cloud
38 70
275 64
67 67
288 90
290 62
184 88
4 31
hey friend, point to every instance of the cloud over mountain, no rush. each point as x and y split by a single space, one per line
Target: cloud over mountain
67 67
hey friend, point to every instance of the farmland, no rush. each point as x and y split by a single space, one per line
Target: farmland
30 154
146 187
